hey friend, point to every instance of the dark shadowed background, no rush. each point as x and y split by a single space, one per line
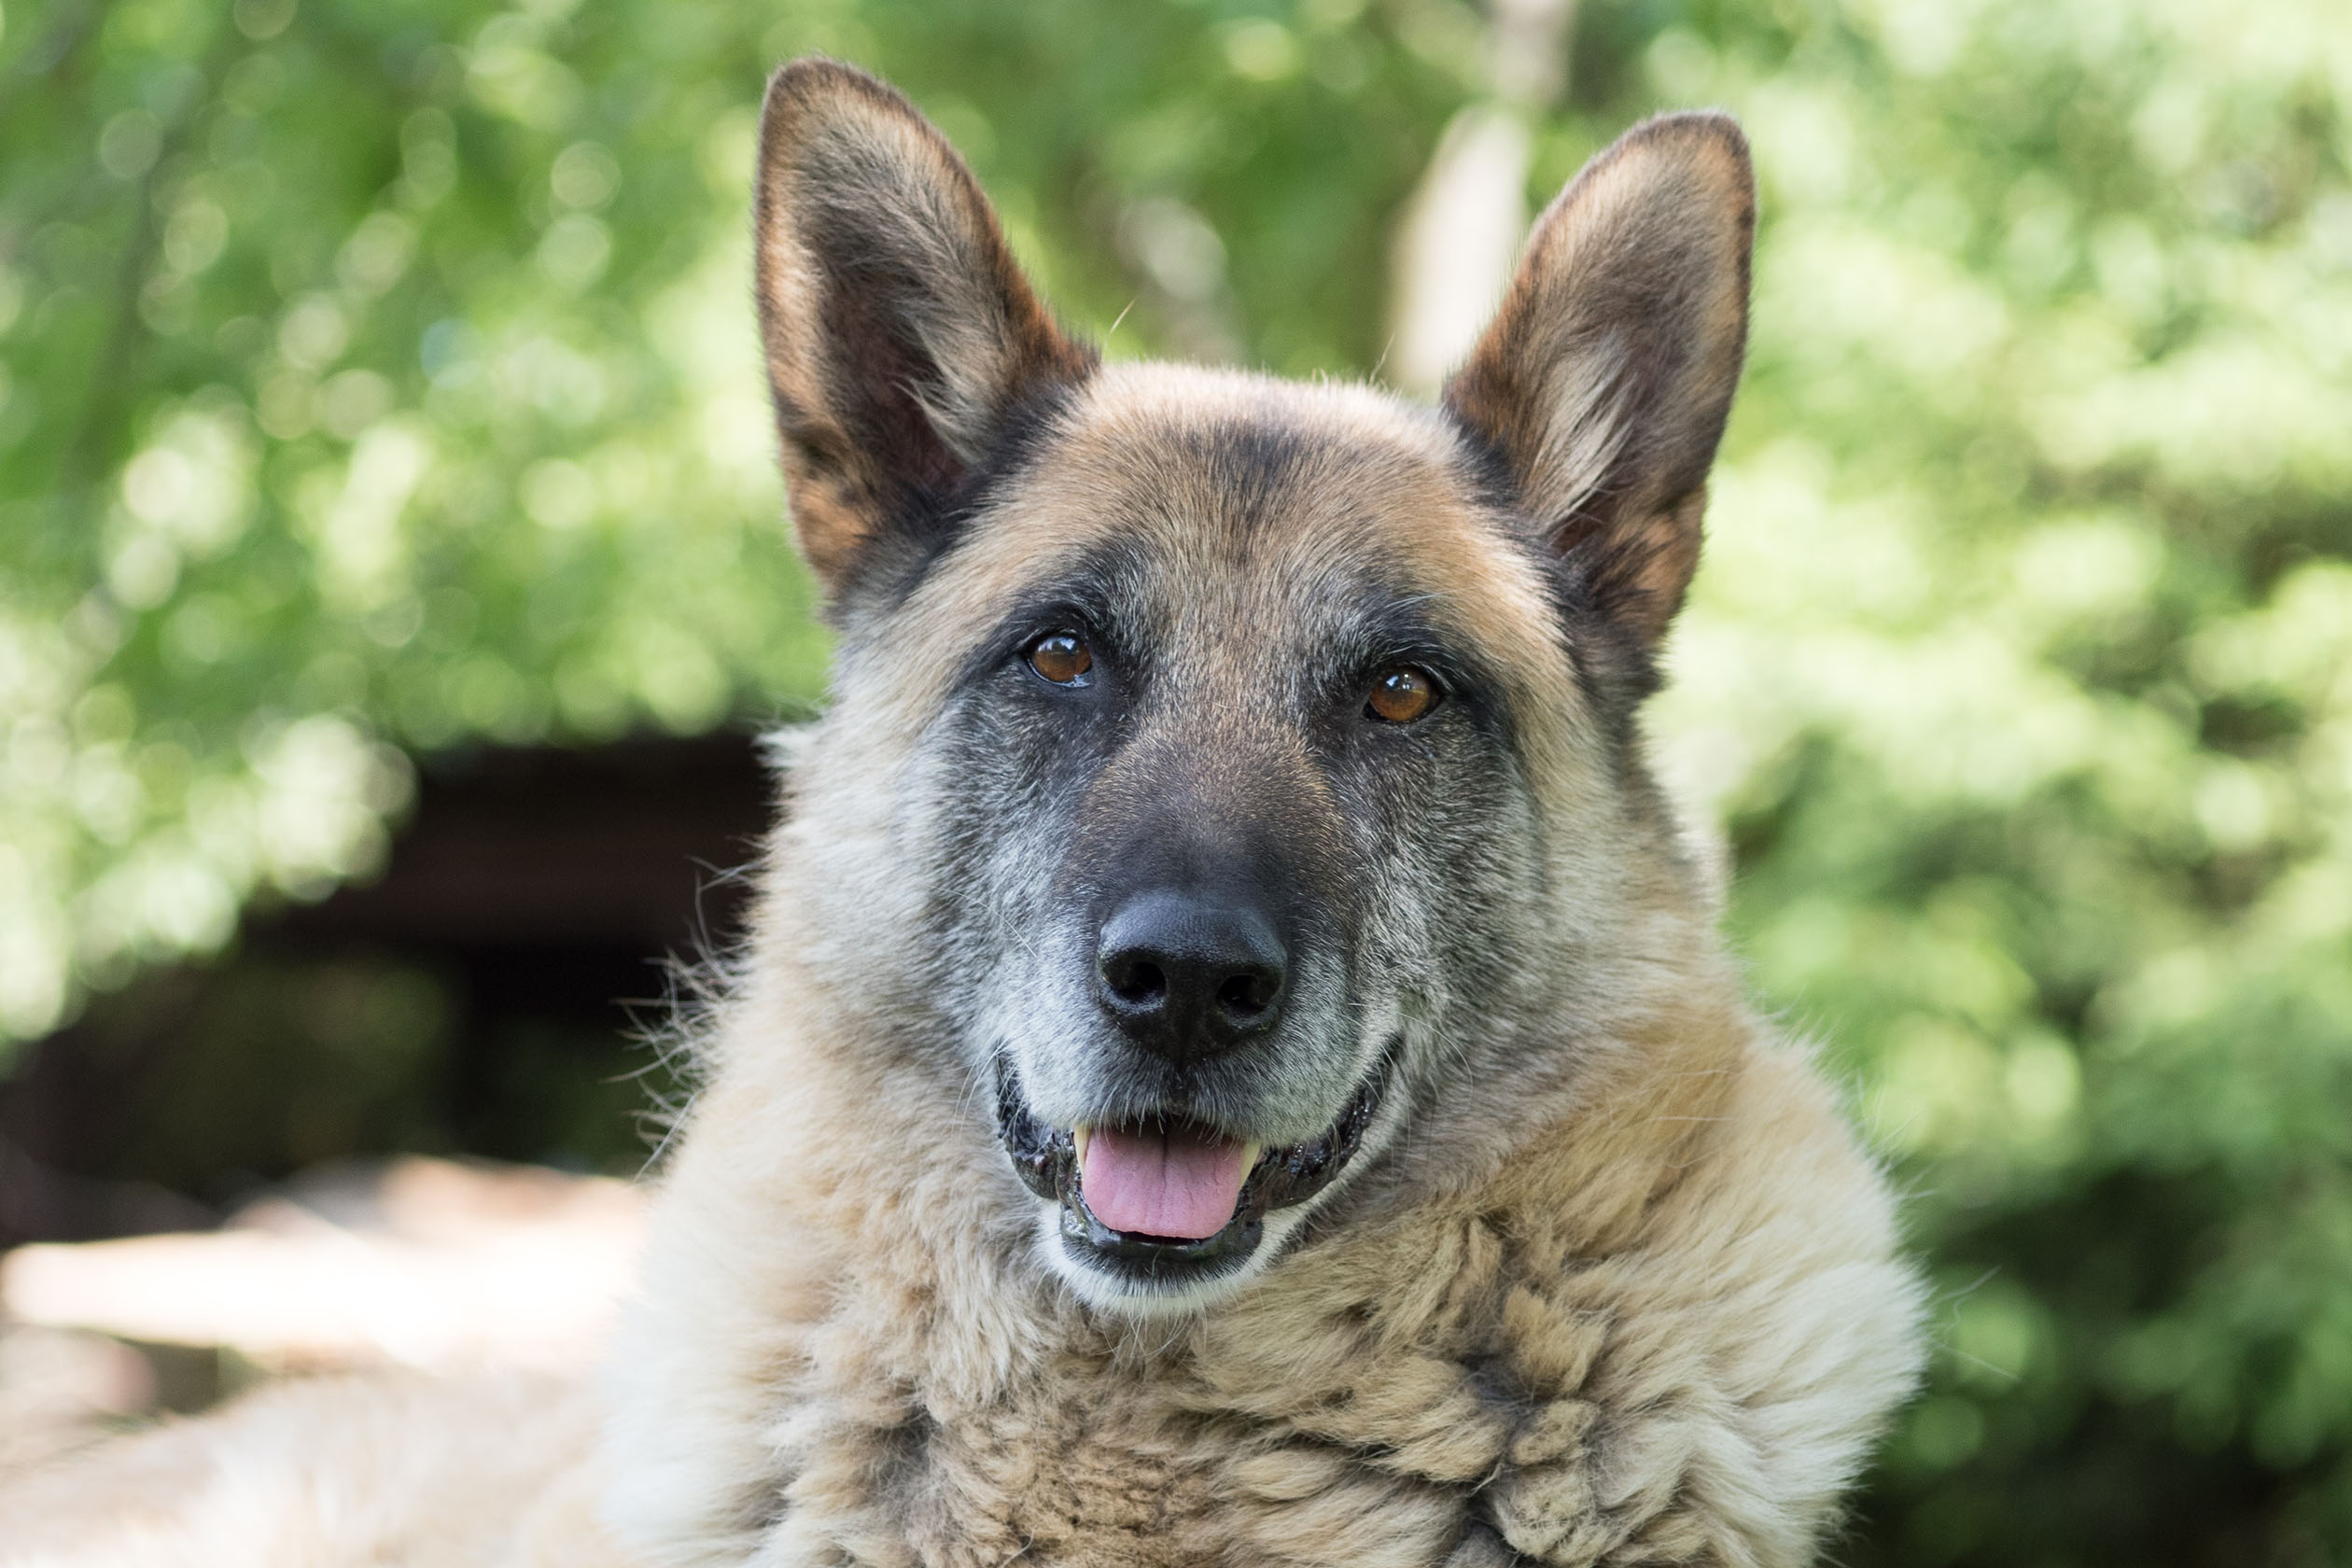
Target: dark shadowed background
392 573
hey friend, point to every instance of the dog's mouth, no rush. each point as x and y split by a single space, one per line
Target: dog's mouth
1166 1200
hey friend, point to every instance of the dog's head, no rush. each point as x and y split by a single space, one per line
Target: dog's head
1230 766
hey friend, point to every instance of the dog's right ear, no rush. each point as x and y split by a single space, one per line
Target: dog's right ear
901 338
1605 378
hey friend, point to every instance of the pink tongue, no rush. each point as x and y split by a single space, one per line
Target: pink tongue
1178 1183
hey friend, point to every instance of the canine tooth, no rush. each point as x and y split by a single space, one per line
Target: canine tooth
1078 1136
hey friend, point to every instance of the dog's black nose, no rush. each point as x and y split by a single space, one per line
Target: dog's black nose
1188 978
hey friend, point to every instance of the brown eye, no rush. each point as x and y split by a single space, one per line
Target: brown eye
1060 657
1402 696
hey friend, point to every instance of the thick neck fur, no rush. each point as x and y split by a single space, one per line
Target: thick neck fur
1631 1298
1608 1281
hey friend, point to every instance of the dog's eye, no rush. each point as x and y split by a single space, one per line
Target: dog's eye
1061 657
1402 694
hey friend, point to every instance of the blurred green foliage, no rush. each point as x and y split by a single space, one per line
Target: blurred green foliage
379 376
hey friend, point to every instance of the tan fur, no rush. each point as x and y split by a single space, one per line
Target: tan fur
1648 1311
1635 1300
1664 1330
1662 1326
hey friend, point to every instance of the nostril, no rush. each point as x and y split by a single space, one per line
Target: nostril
1244 997
1135 981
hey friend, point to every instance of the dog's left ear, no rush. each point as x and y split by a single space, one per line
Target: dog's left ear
1605 378
901 338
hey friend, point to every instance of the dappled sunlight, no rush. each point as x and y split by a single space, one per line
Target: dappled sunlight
419 1263
426 413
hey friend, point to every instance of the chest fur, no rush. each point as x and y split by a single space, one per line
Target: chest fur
1389 1436
1134 1483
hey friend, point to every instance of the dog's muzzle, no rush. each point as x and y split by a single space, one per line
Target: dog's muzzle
1047 1160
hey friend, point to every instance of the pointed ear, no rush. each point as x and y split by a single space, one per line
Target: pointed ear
1606 377
902 340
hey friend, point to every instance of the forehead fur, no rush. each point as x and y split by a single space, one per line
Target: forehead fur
1247 489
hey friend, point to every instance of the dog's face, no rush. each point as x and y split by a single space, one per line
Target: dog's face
1233 803
1245 731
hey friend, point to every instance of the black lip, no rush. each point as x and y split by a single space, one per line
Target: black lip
1046 1160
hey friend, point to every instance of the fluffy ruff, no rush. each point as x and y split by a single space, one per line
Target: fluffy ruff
1664 1326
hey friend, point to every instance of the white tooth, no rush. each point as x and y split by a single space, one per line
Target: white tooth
1250 1152
1078 1136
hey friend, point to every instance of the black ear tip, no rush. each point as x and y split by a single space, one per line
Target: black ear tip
1695 134
816 101
811 71
815 82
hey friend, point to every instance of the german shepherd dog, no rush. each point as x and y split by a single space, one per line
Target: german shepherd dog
1232 1063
